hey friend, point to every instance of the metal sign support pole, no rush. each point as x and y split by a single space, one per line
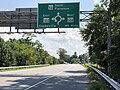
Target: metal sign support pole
109 41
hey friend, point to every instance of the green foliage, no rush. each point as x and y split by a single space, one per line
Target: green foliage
24 52
64 58
62 52
67 59
95 36
7 57
50 60
75 55
55 61
84 58
75 61
114 6
96 82
20 68
61 61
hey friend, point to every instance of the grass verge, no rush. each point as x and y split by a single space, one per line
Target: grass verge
96 82
21 68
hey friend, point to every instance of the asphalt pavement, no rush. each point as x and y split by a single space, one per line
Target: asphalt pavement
56 77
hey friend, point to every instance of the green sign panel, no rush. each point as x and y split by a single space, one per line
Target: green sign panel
58 15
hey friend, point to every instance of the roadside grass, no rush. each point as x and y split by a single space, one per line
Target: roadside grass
22 68
96 82
115 74
99 67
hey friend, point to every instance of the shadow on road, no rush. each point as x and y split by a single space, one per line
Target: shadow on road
54 83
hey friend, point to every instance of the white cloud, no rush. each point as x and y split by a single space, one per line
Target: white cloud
70 41
7 10
96 1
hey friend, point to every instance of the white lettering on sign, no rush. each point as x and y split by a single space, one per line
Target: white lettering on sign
47 26
61 8
70 15
58 5
44 15
74 25
67 25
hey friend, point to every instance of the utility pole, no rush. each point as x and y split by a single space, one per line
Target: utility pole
109 39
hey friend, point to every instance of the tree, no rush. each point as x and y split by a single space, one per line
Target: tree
75 61
55 60
67 58
95 34
7 57
23 52
62 52
115 48
49 60
38 50
75 55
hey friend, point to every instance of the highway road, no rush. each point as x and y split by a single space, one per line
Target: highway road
55 77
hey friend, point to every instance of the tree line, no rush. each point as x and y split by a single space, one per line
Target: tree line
95 35
64 57
23 52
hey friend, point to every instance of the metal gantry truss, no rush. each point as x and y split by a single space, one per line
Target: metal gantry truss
85 15
22 18
26 18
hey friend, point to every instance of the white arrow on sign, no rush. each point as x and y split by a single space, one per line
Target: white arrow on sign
58 16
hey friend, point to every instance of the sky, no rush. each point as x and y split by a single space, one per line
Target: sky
71 41
12 4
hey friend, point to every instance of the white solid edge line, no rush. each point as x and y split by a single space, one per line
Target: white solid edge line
45 79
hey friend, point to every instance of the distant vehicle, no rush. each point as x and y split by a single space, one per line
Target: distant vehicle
66 63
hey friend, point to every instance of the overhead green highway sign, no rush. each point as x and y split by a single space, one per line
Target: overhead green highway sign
58 15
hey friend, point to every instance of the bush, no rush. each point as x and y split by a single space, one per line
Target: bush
75 61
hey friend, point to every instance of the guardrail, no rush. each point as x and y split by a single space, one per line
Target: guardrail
112 82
